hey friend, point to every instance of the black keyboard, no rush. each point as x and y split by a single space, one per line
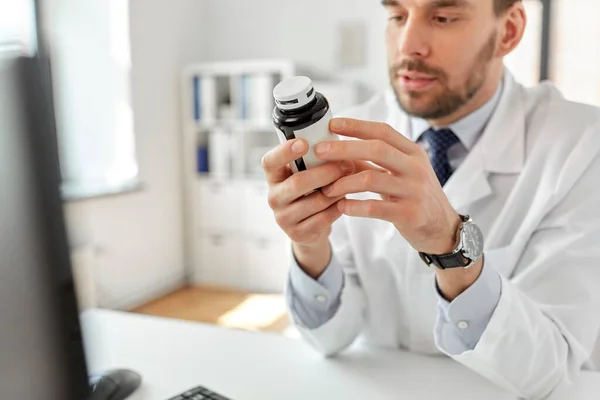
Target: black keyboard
199 393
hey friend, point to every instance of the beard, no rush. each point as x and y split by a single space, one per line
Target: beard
449 100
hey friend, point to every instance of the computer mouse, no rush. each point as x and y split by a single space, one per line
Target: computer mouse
116 384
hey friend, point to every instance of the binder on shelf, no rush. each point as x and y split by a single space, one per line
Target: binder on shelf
244 94
235 94
219 150
261 101
205 109
202 160
197 106
252 97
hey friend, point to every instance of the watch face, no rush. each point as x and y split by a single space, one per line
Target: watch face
472 241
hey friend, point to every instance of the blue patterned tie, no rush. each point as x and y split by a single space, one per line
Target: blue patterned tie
439 143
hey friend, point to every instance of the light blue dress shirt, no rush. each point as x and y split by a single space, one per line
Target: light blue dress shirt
314 302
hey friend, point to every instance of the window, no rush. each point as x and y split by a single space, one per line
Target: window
575 60
525 62
90 56
17 26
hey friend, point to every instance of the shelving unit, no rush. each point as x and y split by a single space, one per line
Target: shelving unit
232 239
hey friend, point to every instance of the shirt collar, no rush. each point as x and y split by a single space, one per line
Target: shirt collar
469 128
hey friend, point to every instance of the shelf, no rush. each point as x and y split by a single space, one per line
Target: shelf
233 99
239 67
203 177
254 125
74 191
242 125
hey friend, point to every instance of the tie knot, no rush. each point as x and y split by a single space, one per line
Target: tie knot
440 140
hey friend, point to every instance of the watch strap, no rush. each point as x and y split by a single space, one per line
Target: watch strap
456 259
446 261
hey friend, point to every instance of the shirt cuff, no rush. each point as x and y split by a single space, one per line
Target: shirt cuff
314 302
463 321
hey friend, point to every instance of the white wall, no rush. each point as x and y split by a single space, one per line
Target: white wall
306 31
139 236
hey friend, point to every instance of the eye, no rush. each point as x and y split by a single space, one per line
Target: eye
397 19
444 20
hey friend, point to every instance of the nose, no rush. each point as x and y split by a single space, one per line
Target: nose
413 40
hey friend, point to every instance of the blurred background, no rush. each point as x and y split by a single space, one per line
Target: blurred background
163 110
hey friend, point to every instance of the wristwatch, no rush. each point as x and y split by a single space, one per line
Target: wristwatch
468 251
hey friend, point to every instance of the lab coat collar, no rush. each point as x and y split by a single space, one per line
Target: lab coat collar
500 149
503 140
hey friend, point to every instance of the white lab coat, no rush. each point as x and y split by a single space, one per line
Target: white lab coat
532 183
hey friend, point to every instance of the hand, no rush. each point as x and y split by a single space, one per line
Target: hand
412 197
305 218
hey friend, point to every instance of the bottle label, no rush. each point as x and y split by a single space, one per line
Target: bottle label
314 134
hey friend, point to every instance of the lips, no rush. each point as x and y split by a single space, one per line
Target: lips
416 82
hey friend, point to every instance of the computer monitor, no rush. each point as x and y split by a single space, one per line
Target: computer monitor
41 350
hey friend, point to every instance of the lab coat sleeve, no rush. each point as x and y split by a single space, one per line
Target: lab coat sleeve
461 323
314 302
330 327
547 319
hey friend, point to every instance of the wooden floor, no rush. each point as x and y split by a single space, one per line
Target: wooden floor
232 309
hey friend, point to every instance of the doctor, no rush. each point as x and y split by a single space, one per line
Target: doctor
461 217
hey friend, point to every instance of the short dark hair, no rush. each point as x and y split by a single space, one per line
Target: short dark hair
502 5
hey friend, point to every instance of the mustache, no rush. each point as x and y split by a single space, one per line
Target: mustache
417 66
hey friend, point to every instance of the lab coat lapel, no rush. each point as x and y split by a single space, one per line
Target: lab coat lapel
500 149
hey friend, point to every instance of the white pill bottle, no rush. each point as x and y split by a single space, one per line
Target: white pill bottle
301 112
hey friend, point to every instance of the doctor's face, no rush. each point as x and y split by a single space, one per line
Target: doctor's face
440 53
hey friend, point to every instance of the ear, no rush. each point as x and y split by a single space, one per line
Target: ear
512 27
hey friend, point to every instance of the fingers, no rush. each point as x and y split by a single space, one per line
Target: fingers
368 130
299 184
311 228
360 166
275 161
304 208
376 151
369 181
378 209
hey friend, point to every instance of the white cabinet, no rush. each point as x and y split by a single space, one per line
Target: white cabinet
218 258
218 205
264 246
266 263
257 215
237 242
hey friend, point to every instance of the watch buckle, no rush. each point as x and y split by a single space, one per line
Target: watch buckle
428 261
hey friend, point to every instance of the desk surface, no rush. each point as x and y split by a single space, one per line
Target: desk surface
173 356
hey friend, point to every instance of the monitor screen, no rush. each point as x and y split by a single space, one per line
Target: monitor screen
40 342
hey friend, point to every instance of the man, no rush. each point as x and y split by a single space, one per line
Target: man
459 167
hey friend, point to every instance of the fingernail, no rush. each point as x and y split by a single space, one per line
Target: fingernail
337 123
347 166
322 148
298 147
326 189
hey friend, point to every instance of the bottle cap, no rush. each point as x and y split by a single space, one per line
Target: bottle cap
294 93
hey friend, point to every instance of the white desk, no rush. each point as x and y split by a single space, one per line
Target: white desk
173 356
